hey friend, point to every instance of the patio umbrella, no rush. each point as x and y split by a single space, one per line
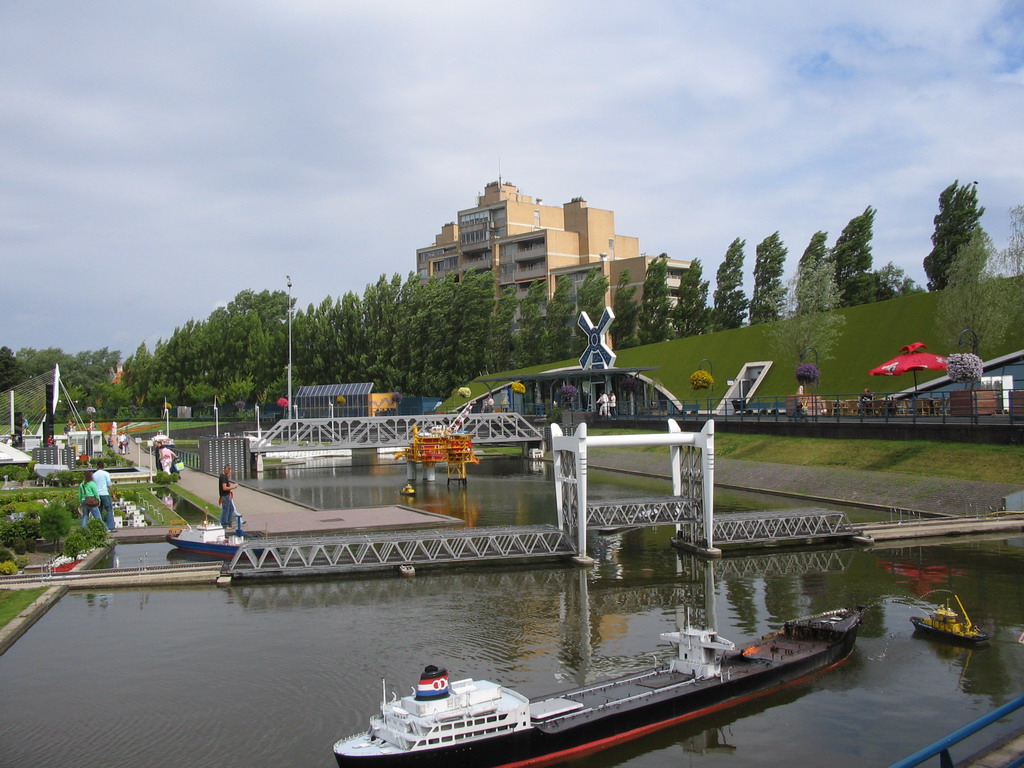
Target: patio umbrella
910 358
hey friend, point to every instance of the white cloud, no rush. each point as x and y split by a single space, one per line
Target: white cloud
170 154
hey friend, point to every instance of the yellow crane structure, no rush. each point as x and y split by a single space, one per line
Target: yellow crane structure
455 449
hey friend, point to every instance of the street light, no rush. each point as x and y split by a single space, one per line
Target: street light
290 411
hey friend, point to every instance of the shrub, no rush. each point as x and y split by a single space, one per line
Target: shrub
96 533
8 567
54 521
164 478
76 543
5 554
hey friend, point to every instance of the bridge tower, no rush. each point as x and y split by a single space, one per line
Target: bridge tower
691 460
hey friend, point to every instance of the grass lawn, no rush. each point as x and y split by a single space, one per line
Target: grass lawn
14 601
964 461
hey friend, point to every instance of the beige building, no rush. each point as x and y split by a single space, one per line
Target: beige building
522 241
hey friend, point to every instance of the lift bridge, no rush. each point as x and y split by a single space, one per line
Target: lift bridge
689 508
330 434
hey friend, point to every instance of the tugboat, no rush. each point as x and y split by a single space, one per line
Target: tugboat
485 725
207 538
946 623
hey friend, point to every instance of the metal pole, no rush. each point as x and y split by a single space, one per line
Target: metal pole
290 410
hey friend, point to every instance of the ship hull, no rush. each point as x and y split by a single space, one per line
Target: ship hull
555 742
226 551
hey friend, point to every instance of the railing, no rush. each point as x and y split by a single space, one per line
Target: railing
941 747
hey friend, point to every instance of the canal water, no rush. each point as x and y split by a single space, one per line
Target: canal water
273 674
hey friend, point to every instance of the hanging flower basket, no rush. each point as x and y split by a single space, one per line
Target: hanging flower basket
701 380
340 400
807 373
518 387
568 393
239 404
91 411
632 384
464 392
964 367
397 397
282 402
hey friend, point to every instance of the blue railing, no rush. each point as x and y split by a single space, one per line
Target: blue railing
941 747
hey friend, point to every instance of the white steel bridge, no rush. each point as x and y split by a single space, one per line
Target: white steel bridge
392 431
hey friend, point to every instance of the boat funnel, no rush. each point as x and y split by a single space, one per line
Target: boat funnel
433 684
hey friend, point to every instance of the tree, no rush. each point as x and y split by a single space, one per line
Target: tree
627 311
691 315
9 369
530 341
655 305
54 521
769 294
560 330
975 297
852 258
502 344
730 301
590 297
809 319
891 281
1012 258
958 217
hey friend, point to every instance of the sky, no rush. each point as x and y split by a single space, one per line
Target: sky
157 158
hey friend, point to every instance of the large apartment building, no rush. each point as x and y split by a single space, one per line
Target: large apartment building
523 241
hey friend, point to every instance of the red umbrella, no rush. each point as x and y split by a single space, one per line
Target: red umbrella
910 358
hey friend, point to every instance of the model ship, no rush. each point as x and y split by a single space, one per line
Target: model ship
484 724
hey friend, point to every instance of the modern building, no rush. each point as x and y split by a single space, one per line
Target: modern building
521 241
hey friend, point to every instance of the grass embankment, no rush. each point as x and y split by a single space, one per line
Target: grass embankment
962 461
14 601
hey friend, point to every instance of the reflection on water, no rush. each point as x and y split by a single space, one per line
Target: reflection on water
500 490
273 674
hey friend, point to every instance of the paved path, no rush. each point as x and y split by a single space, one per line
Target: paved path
883 489
272 515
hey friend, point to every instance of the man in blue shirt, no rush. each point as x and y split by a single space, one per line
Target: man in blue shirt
103 484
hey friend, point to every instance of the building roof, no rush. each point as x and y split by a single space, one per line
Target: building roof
570 373
333 390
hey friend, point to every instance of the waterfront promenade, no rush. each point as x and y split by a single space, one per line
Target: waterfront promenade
271 515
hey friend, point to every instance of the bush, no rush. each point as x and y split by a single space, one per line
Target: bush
5 554
54 521
25 531
164 478
8 567
76 543
96 533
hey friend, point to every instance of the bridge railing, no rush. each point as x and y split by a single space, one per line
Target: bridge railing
941 747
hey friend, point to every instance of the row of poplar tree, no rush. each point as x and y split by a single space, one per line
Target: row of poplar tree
428 338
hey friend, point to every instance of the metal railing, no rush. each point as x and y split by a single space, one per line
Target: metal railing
941 747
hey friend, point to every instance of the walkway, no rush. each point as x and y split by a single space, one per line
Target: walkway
937 495
266 513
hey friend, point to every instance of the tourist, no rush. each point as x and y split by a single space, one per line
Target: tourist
612 403
866 398
104 485
88 499
167 457
225 486
489 404
602 404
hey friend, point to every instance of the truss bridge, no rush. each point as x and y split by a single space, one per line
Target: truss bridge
347 553
630 513
771 526
391 431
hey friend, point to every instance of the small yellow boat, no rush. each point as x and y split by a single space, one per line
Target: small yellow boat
947 623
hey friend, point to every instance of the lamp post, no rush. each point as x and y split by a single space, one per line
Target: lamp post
290 411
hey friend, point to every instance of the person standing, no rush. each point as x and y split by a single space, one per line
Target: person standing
227 505
104 484
167 457
602 404
87 490
612 404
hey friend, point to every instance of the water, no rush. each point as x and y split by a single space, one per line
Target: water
273 674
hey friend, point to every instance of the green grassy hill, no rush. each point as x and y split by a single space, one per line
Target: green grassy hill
872 335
